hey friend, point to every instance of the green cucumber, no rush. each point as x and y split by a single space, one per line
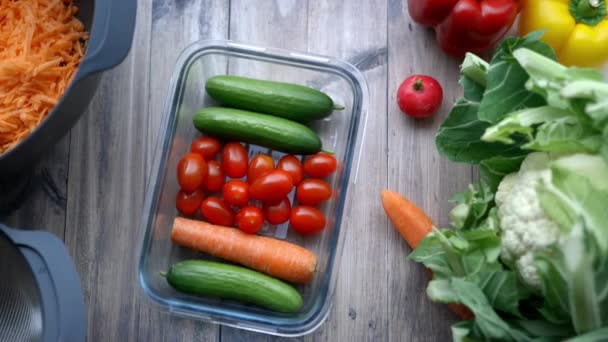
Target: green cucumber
260 129
208 278
290 101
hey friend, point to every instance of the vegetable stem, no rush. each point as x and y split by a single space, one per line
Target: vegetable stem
585 89
539 66
338 107
588 8
163 274
418 86
588 12
475 68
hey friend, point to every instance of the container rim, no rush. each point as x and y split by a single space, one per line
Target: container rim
319 313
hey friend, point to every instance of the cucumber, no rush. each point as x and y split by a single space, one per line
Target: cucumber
290 101
260 129
208 278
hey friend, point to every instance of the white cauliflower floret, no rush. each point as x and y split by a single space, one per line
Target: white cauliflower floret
525 227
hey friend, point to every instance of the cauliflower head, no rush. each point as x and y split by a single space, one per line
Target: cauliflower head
525 228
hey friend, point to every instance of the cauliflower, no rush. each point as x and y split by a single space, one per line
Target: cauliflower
526 229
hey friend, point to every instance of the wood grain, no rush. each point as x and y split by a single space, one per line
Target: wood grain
105 192
43 200
175 25
90 188
419 173
356 31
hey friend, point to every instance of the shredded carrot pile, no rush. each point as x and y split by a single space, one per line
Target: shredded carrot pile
41 46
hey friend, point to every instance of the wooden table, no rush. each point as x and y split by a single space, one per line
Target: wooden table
90 188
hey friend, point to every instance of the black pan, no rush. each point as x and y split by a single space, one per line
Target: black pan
110 24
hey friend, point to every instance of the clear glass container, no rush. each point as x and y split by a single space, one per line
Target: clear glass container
342 133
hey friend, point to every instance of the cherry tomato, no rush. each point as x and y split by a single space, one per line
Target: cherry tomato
217 212
259 165
320 165
215 176
235 160
277 212
236 192
250 219
272 186
207 147
188 203
307 220
419 96
293 166
191 171
313 192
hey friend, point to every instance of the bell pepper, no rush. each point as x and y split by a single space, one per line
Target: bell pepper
465 25
576 29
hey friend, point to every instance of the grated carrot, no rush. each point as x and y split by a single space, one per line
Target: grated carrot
41 46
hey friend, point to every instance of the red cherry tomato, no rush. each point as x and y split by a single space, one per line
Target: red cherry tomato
259 165
235 160
277 212
307 220
320 165
272 186
236 192
188 203
419 96
293 166
313 192
207 147
215 176
217 212
250 219
191 171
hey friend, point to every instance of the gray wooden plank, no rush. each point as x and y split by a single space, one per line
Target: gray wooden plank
273 23
175 25
418 172
106 184
42 205
356 31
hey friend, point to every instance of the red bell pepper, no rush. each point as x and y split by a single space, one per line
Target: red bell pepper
465 25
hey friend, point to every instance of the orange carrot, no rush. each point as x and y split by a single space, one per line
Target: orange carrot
277 258
413 225
411 222
41 46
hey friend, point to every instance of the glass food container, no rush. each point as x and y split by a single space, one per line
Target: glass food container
342 132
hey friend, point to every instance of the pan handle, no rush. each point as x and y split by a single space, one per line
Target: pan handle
111 36
54 271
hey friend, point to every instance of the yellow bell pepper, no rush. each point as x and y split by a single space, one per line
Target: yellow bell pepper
576 29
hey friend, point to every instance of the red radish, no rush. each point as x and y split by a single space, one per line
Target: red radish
419 96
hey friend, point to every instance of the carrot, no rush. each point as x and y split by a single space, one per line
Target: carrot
413 225
41 46
411 222
277 258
